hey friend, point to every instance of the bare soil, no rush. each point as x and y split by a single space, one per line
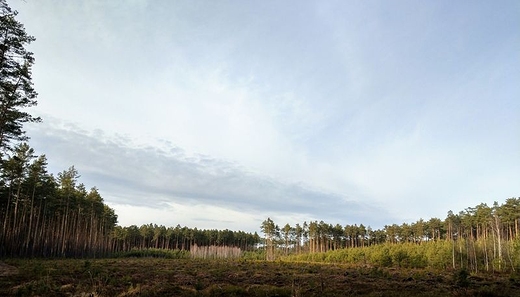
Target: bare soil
6 270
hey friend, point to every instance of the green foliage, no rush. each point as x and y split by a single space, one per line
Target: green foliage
399 256
438 254
410 255
258 254
183 238
44 216
406 255
153 253
16 87
460 278
515 253
380 255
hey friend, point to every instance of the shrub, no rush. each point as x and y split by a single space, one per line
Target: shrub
461 278
154 253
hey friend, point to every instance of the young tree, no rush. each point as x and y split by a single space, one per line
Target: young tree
16 87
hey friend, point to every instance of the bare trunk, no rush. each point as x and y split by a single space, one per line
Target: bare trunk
499 242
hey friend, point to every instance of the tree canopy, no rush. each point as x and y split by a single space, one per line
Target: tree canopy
16 86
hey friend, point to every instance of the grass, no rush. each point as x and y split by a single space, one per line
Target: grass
191 277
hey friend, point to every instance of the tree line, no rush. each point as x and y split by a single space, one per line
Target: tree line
48 216
56 216
40 214
44 215
481 237
179 238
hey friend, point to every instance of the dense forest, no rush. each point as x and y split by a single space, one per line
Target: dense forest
43 215
181 238
48 216
478 238
499 222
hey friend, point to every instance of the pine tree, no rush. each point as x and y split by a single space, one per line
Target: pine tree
16 87
269 229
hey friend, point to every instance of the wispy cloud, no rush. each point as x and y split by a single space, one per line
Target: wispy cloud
259 109
158 177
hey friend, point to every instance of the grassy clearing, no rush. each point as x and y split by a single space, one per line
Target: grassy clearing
191 277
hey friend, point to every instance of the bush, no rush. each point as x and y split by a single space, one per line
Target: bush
399 256
380 255
154 253
461 278
254 255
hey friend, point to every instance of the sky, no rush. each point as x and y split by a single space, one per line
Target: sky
219 114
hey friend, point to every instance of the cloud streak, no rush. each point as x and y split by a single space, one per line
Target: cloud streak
256 109
158 177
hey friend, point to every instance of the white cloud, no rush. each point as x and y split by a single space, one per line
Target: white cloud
298 114
163 177
196 215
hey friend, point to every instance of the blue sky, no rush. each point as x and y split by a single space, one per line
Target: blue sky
218 114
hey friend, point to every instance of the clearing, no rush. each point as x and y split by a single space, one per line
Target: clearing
182 277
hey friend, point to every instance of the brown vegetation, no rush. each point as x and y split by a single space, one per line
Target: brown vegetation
6 270
184 277
215 252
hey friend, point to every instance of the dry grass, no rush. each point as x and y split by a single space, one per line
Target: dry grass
6 270
169 277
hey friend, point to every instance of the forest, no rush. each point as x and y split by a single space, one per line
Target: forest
56 216
48 216
480 238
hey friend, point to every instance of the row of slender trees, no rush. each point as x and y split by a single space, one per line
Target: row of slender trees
482 236
56 216
44 215
181 238
40 214
479 222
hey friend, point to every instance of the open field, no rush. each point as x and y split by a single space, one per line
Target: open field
183 277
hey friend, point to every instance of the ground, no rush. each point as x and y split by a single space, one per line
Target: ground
168 277
7 270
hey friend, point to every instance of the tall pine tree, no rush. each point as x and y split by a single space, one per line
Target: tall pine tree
16 87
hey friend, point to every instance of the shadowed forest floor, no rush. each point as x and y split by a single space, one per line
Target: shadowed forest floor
167 277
